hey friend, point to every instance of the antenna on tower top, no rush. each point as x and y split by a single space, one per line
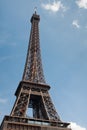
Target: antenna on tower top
35 9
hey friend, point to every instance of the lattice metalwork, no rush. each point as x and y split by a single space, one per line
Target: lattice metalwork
32 92
33 68
50 108
39 100
32 97
21 105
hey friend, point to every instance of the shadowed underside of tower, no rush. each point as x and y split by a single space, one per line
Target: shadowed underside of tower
33 108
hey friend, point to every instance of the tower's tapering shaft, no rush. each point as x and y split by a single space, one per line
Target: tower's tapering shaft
33 71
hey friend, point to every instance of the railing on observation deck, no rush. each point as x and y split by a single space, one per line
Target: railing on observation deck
35 121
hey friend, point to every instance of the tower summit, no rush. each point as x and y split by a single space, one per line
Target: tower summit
33 108
33 71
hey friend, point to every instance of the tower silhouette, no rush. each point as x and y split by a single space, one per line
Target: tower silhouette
33 108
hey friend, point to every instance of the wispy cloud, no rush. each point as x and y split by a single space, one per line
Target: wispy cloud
54 6
75 23
86 26
9 57
5 58
82 3
75 126
3 100
6 39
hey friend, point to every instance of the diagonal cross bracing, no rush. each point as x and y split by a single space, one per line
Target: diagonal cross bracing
33 68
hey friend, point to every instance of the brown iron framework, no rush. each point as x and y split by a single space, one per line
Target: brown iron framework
33 92
33 68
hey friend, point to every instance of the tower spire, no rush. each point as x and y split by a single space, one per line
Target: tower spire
35 9
33 71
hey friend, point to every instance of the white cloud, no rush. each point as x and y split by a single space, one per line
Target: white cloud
54 7
3 100
75 126
75 23
82 3
86 27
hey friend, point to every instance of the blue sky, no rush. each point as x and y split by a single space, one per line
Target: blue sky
63 39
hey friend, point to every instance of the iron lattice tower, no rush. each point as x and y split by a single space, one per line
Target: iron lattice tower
33 92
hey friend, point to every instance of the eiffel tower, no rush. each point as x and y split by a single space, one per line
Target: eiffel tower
33 108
